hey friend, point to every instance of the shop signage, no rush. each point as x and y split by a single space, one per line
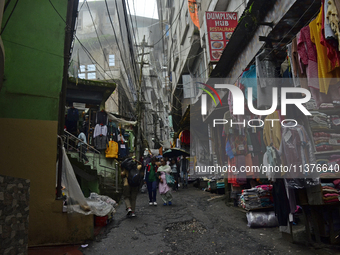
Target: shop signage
220 27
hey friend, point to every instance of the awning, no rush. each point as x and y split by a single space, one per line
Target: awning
120 120
88 91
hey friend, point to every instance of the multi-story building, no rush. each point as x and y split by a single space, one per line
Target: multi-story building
186 49
110 48
106 51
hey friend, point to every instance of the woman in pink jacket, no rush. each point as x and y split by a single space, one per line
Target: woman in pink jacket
164 189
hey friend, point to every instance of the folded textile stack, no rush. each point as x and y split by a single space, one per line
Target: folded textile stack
330 194
319 120
326 141
266 195
250 199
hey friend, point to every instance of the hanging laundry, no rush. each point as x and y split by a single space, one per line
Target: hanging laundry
328 38
266 73
112 150
308 57
272 133
333 18
325 69
249 81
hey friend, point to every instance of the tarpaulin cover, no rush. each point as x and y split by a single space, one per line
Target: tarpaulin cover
76 201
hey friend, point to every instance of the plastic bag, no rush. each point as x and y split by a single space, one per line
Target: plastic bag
143 188
170 180
262 219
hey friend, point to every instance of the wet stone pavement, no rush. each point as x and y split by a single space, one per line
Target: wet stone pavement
198 222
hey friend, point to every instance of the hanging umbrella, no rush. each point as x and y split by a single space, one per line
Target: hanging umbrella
175 152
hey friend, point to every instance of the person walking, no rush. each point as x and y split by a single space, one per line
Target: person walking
130 192
164 189
82 146
184 166
174 173
151 180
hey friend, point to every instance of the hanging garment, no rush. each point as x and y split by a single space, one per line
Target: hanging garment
112 150
328 38
242 176
112 132
123 150
100 130
132 140
72 114
325 69
296 147
266 74
332 16
228 150
100 142
308 57
102 118
254 142
249 80
281 203
238 144
272 133
185 137
295 76
226 127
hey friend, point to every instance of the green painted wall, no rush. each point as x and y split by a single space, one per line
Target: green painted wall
34 48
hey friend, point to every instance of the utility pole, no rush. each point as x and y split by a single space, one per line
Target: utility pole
139 108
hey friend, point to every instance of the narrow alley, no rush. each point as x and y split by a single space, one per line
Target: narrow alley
197 223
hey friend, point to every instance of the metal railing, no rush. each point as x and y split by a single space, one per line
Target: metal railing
105 174
71 145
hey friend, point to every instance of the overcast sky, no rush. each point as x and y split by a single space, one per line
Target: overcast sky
144 8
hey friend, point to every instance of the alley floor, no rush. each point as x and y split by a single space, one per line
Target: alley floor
198 222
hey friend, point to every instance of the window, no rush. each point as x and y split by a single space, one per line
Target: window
91 76
111 60
91 68
87 72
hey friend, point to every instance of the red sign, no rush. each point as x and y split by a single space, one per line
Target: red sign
220 27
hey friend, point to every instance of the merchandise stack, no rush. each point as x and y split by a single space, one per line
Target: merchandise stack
250 199
330 191
257 198
266 195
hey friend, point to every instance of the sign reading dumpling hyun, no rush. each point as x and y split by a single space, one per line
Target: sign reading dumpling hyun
220 27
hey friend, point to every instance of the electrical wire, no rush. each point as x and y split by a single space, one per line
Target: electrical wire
95 29
130 41
10 15
134 9
133 29
114 31
84 48
92 59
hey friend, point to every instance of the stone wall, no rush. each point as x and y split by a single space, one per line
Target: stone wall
14 213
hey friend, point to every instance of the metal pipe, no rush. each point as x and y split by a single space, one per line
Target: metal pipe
60 167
